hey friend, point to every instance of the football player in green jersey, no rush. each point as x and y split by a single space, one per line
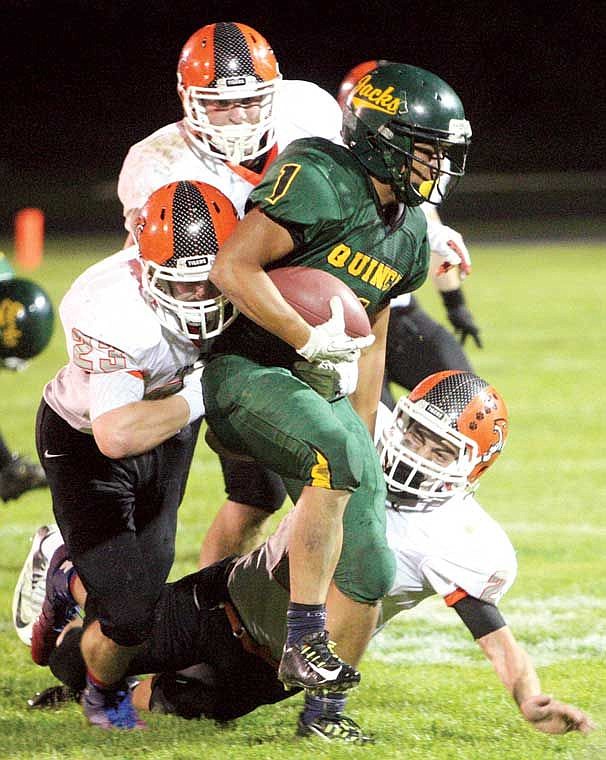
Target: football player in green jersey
418 345
352 211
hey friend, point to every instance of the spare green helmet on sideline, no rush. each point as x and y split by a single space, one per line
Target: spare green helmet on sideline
26 319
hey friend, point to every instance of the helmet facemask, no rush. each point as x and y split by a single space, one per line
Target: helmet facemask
186 313
231 142
408 474
423 165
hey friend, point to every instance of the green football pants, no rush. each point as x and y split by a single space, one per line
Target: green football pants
269 414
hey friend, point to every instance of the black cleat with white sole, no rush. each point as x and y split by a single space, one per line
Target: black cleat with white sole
311 664
54 697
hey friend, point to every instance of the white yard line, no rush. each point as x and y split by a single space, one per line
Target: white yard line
551 629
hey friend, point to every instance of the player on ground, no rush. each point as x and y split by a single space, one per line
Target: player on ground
26 327
351 211
117 426
416 344
434 450
238 114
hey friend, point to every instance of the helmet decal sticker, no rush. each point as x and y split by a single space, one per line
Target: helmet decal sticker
366 96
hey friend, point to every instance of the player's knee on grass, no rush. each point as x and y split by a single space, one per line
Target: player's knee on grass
178 694
203 692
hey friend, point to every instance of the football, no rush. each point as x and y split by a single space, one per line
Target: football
309 292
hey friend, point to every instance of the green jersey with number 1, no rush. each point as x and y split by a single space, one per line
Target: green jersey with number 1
324 197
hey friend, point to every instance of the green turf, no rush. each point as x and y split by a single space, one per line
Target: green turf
426 690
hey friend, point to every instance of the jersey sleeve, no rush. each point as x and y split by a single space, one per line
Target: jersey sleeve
487 581
297 193
96 356
479 617
111 391
475 558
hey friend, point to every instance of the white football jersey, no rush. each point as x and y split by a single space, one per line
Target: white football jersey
456 546
302 109
109 328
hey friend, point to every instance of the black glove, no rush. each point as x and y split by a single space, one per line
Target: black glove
460 317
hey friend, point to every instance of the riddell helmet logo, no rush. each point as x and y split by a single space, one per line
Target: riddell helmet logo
367 96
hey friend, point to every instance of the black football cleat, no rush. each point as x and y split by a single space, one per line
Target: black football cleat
334 728
20 475
53 697
311 664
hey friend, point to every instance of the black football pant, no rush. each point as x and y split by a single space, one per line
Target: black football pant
417 346
118 518
203 669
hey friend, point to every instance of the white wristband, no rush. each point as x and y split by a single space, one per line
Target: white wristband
195 402
192 393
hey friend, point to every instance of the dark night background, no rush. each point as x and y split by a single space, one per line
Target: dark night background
82 81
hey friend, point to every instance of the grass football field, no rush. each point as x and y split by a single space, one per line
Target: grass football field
427 691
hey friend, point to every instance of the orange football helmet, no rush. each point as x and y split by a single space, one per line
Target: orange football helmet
225 62
353 76
178 232
459 408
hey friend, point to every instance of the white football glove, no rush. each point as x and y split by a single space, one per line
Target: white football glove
449 244
347 373
192 391
330 341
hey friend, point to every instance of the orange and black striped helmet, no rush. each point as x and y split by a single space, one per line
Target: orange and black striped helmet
178 233
222 65
464 414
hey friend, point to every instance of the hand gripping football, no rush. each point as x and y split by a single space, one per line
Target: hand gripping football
309 291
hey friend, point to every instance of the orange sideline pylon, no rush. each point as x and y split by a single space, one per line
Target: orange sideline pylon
29 238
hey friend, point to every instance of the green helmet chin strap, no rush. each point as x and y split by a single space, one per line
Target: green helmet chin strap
399 168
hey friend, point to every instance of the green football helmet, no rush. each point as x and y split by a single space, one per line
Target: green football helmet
26 319
408 128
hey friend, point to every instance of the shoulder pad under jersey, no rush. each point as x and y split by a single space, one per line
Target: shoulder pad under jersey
311 182
148 164
308 109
